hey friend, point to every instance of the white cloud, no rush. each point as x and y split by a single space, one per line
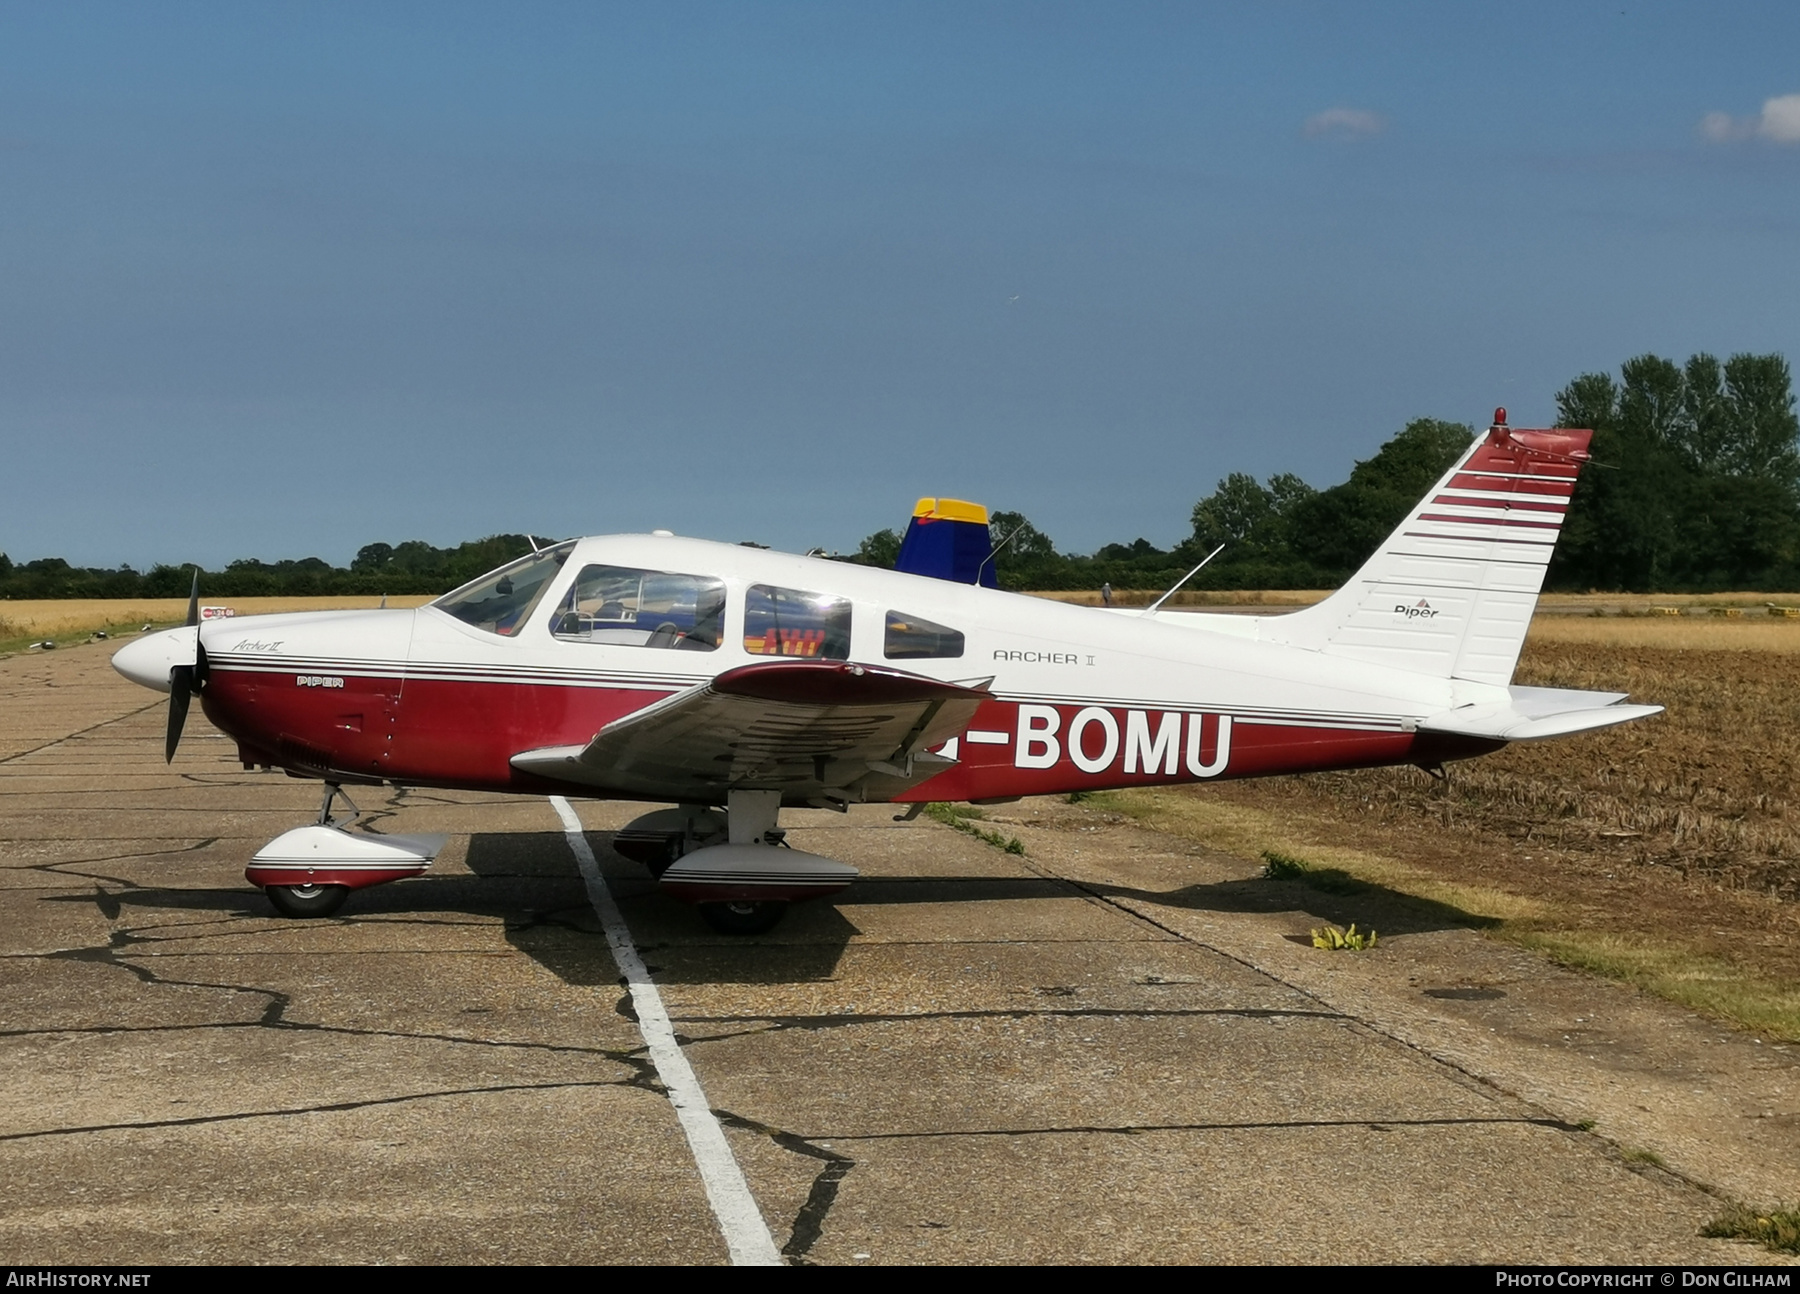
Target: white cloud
1778 122
1721 127
1781 119
1344 123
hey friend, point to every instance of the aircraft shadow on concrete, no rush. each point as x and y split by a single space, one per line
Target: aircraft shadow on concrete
531 881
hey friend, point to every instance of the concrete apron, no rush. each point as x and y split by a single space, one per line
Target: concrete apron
967 1057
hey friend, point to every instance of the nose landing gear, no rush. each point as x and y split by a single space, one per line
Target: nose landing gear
309 872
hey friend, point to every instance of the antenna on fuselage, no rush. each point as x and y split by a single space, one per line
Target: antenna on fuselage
997 547
533 543
1151 609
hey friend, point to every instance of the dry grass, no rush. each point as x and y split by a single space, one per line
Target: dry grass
79 617
1641 604
1645 613
1670 633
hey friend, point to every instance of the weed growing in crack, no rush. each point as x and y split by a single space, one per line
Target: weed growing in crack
1334 940
1775 1229
963 818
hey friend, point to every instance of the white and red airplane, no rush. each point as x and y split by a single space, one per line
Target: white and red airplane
733 683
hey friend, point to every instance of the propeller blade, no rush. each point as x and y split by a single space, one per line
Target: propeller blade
184 679
181 688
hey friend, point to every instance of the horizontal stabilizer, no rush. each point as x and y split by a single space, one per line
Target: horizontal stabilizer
1534 713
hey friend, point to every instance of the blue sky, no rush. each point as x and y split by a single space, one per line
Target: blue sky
281 280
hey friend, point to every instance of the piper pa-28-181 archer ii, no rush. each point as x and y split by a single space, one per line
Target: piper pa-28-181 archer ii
733 682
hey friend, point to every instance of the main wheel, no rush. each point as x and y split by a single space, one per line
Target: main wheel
743 918
307 900
655 851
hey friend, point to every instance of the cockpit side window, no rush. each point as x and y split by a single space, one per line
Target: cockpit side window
501 601
915 638
793 622
627 607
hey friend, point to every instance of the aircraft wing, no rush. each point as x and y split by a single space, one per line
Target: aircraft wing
824 730
1533 713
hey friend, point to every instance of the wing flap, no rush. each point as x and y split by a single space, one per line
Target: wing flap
806 728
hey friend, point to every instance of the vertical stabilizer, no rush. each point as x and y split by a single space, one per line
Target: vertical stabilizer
1450 593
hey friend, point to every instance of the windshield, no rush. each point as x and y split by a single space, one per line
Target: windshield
501 601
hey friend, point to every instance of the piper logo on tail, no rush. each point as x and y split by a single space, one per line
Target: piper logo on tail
1421 611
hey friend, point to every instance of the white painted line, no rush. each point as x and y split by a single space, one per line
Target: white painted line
746 1234
979 738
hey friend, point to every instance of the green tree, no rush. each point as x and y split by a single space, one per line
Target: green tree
1336 530
880 549
1030 559
372 557
1694 481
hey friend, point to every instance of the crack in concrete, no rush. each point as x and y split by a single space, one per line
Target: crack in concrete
335 1107
275 1011
624 1057
1272 1125
93 727
809 1222
838 1020
54 869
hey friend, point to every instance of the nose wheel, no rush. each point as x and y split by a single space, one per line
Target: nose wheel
307 900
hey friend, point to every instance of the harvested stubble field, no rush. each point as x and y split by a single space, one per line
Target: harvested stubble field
1665 853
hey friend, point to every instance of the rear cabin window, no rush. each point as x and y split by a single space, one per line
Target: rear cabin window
501 601
915 638
793 622
626 607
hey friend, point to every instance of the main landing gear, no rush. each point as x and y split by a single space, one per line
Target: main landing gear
309 872
734 866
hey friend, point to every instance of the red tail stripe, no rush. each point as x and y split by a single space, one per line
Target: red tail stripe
1544 485
1474 539
1494 521
1536 505
1516 467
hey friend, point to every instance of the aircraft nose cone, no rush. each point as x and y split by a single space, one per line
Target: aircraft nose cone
148 660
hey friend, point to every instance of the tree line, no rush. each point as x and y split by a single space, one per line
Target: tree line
412 567
1694 486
